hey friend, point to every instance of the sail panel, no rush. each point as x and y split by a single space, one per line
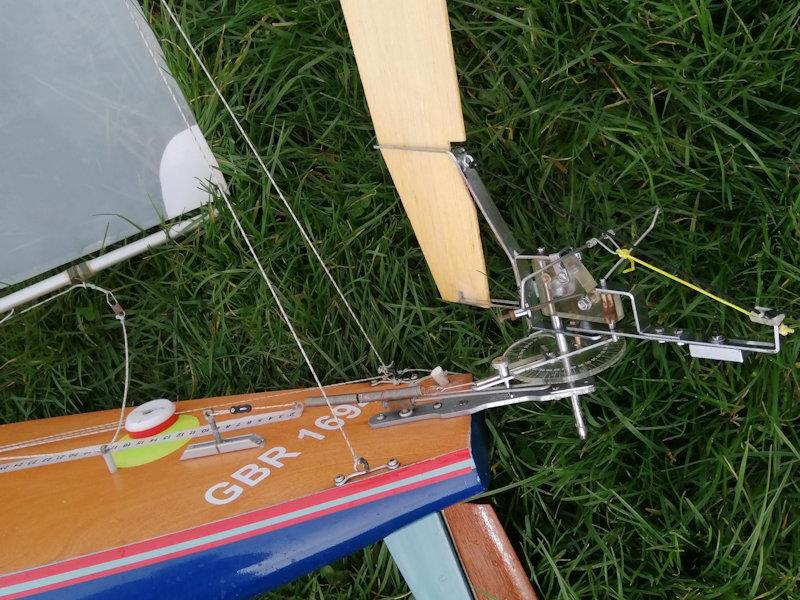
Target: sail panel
97 142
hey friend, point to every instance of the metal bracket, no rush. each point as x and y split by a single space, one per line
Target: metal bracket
220 445
447 406
716 348
342 479
520 263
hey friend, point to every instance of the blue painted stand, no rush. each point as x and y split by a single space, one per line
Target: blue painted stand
429 563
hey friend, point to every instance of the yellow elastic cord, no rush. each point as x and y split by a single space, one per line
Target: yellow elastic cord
625 254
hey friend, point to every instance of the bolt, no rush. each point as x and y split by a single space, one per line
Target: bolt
339 480
406 412
584 303
500 363
393 463
563 277
437 405
717 339
380 417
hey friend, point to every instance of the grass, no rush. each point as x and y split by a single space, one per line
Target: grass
687 487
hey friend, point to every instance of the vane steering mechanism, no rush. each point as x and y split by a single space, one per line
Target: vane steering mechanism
577 326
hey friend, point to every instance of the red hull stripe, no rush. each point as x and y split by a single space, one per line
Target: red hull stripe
236 528
154 430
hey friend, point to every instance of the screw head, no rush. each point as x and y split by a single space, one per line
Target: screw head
467 161
437 405
393 463
380 417
584 303
406 412
500 363
339 480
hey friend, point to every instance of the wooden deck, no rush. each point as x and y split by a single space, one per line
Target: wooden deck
55 512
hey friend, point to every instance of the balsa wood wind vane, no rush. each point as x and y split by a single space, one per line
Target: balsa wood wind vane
405 59
257 489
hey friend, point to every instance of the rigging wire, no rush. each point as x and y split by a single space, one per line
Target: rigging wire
273 183
119 315
357 460
638 241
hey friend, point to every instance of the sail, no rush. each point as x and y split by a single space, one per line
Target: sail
97 142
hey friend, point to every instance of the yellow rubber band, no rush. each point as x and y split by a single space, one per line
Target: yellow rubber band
625 254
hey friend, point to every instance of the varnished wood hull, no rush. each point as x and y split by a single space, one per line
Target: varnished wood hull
74 530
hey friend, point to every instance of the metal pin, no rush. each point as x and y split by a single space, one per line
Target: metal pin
500 365
109 458
577 412
212 423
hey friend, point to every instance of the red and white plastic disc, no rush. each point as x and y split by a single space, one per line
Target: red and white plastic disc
150 418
